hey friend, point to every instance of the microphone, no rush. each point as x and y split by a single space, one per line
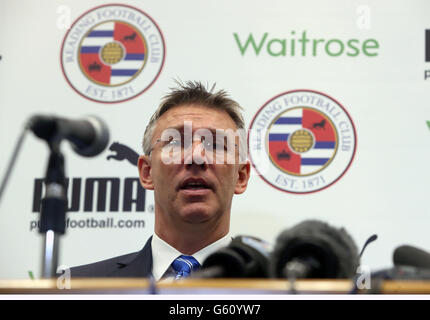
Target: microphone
313 249
410 263
245 257
410 256
88 136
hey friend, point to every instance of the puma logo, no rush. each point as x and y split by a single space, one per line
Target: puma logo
122 152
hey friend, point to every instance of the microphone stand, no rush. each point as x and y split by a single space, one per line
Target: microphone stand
293 270
53 209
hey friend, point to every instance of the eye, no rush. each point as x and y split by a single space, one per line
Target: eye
214 145
207 144
175 143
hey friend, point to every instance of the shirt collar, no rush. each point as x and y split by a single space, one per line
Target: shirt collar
163 254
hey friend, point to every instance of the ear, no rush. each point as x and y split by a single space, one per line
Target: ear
243 177
145 177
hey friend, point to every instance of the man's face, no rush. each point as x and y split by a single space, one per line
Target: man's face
197 191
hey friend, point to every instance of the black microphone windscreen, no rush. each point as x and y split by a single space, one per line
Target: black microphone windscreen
332 251
256 253
410 256
246 256
228 264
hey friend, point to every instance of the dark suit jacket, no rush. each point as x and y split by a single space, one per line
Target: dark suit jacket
137 264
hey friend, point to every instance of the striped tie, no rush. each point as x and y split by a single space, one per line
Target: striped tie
184 265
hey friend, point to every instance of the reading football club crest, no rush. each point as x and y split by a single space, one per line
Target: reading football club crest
112 53
301 141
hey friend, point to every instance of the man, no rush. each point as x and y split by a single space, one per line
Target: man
195 161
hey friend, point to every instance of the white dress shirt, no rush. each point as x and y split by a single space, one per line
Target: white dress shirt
164 254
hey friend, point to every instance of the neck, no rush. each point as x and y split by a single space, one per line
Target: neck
190 238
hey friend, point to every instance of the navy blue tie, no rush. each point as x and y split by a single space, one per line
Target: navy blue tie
184 265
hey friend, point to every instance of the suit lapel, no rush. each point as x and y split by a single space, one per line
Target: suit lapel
139 265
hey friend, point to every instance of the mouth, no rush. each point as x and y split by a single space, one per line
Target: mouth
195 186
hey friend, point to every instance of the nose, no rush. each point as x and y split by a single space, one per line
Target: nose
196 154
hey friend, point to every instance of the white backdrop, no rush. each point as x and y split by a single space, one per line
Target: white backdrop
384 191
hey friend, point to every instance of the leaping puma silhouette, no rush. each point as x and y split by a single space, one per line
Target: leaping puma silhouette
123 153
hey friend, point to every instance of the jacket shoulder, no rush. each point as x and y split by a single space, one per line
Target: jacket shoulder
105 268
